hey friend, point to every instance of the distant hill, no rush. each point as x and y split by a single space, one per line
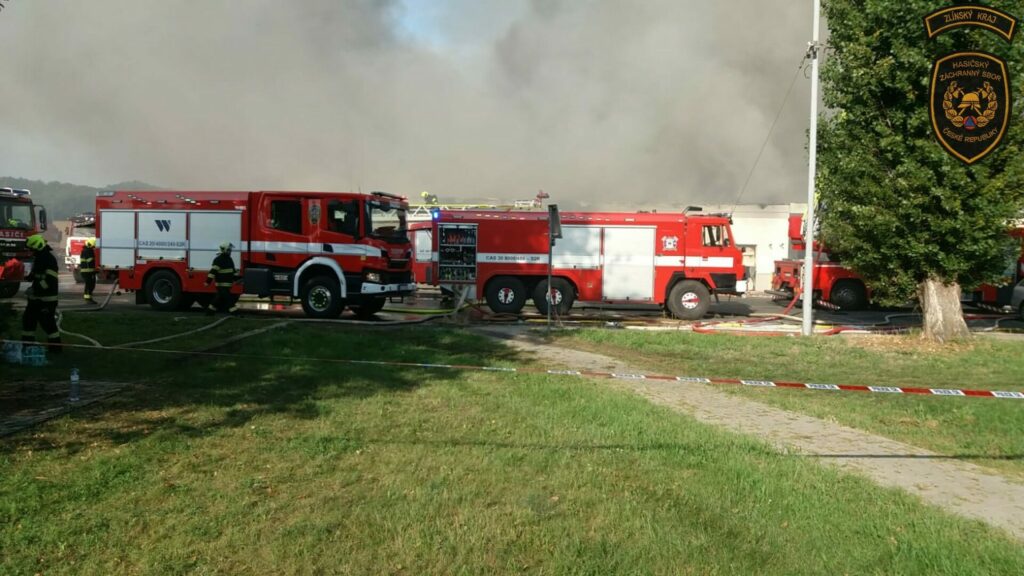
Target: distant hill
63 200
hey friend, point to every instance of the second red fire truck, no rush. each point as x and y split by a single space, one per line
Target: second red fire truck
841 287
673 260
328 250
19 219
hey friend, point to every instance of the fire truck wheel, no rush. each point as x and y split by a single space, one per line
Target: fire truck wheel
689 300
506 295
9 289
78 276
849 295
561 292
1020 312
367 308
321 297
163 290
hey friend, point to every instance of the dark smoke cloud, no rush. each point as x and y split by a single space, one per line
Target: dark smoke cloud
596 102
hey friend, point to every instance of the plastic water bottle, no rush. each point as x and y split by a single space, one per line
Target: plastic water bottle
74 386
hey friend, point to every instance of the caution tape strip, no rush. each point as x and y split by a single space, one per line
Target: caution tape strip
947 392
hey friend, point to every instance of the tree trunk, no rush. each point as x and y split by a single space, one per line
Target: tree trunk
943 316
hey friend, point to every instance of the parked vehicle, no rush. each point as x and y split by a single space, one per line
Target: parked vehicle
673 260
81 228
328 250
1017 299
841 287
19 219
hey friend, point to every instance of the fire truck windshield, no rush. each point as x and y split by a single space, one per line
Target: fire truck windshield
16 215
387 221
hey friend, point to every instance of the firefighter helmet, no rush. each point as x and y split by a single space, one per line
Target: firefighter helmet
91 242
35 242
226 246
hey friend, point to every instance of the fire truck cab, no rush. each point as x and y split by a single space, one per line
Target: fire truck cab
19 219
673 260
328 250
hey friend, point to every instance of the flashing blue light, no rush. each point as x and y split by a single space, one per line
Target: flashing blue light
435 213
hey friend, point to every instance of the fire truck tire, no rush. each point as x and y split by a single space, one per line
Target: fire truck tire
562 291
1020 312
689 300
163 290
78 276
506 295
367 308
849 295
321 297
9 289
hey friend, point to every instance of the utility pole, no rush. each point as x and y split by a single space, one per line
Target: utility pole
808 289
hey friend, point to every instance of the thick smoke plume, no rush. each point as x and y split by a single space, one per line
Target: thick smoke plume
599 103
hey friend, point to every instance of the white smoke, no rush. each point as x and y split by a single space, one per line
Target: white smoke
596 102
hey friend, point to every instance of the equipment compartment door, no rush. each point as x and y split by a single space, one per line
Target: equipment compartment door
629 263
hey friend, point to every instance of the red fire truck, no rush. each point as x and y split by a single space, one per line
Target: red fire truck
833 282
999 296
673 260
328 250
19 219
839 286
80 229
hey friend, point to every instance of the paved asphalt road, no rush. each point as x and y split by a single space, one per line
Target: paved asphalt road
727 307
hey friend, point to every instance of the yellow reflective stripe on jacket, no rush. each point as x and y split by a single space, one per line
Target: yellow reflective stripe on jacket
53 273
224 284
43 284
86 270
87 260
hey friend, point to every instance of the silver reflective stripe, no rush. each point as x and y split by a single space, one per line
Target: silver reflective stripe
315 248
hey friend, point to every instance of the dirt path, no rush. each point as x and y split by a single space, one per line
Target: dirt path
957 486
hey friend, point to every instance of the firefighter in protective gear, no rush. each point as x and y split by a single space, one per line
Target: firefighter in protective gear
87 268
223 274
42 295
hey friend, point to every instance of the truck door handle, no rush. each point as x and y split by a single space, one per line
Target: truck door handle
328 248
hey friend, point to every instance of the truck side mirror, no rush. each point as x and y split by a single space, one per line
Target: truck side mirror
42 218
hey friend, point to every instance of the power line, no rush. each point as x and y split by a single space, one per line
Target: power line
771 129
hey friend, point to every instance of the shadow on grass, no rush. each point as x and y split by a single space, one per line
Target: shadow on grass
291 372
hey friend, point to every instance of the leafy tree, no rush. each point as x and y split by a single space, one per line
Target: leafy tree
909 217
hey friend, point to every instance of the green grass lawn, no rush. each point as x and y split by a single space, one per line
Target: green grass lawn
984 430
268 466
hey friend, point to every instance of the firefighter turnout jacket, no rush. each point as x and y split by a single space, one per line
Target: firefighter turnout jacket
223 271
87 261
44 276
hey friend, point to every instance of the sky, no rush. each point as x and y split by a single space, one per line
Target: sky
599 103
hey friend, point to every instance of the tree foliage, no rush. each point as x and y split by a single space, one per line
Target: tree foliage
896 206
63 200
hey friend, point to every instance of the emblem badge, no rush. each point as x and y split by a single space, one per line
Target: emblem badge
669 243
970 104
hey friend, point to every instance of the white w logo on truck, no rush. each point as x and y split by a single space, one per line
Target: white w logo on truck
163 225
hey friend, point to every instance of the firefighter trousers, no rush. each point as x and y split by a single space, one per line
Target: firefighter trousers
44 314
90 284
224 301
